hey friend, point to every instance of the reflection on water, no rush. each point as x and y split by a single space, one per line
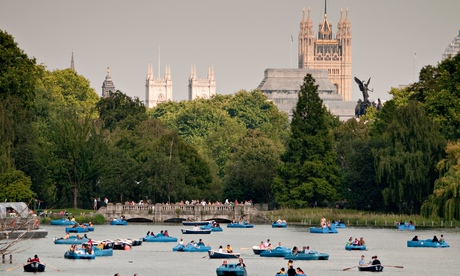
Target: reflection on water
154 258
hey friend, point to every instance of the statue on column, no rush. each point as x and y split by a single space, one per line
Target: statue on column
361 107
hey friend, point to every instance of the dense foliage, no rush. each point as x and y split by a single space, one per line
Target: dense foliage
63 145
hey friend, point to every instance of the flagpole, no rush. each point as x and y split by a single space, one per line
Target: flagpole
292 40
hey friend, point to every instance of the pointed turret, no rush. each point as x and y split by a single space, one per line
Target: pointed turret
107 86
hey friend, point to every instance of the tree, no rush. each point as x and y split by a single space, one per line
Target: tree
15 187
309 172
408 144
249 170
120 109
445 200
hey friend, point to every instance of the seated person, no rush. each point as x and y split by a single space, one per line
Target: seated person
241 263
229 249
435 239
294 250
441 239
224 263
67 235
415 238
166 233
200 243
35 259
196 227
361 241
181 241
362 262
299 271
281 272
220 249
375 261
100 245
262 245
350 241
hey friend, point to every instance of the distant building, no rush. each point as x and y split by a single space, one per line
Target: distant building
327 52
158 90
72 64
201 88
453 48
282 87
107 86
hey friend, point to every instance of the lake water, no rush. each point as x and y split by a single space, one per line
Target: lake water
158 258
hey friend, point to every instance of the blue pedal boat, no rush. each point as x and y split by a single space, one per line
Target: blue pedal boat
212 228
240 225
191 248
159 238
231 269
62 221
279 251
70 240
406 227
313 256
76 229
355 247
323 230
79 255
277 224
102 252
427 243
118 221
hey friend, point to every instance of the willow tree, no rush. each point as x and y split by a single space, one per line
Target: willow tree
445 200
408 144
309 172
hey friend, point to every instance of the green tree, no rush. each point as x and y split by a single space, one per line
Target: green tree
120 109
15 186
356 163
249 171
445 200
309 172
408 144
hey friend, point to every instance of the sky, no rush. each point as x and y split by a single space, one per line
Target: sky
392 39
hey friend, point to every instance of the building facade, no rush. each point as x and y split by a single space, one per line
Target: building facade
282 86
326 52
107 86
201 88
158 90
453 48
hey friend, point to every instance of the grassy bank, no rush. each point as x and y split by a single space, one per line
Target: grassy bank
312 216
81 216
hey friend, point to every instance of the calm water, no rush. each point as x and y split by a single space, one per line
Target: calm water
155 258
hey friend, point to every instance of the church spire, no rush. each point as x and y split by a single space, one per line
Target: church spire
72 65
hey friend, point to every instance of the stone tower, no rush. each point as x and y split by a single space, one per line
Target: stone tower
158 90
107 85
327 52
201 88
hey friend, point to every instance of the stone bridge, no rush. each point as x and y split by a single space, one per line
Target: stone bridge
180 212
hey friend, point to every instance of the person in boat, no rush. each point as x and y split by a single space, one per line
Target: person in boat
299 271
290 262
166 233
78 237
361 241
295 250
73 248
441 239
67 236
411 223
181 241
279 221
375 261
224 263
200 242
323 222
35 259
262 245
100 245
229 249
196 227
267 243
356 242
291 271
279 244
240 262
362 262
192 243
281 272
307 250
415 238
161 233
435 239
221 249
350 241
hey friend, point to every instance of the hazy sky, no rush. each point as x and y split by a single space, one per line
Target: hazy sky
240 38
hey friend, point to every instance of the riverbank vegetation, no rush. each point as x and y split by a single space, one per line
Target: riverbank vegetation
65 147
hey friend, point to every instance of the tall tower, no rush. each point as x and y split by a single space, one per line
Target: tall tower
327 52
201 88
72 64
107 85
158 90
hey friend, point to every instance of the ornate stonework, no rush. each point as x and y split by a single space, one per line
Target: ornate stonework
107 85
327 52
201 88
158 90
